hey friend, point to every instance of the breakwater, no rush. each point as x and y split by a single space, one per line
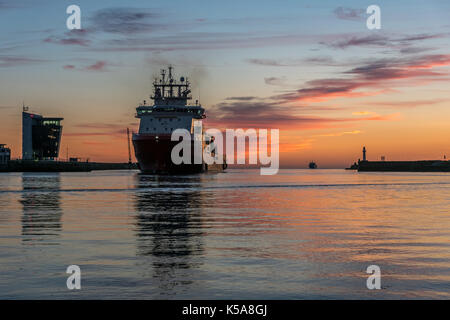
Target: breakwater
62 166
408 166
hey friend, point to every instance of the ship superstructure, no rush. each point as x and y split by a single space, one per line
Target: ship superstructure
170 111
312 165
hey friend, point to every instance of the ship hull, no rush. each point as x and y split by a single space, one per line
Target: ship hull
153 153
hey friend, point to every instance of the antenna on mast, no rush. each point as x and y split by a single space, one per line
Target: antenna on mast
170 81
163 75
24 108
170 72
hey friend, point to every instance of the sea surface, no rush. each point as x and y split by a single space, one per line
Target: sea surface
300 234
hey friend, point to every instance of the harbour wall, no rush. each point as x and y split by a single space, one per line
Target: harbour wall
412 166
62 166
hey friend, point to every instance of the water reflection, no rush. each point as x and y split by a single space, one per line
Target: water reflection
4 201
41 218
169 227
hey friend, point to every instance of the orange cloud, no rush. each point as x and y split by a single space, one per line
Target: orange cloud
362 113
339 134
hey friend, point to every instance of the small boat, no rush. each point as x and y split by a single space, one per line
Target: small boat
312 165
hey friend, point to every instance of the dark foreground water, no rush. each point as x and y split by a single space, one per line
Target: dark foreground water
235 235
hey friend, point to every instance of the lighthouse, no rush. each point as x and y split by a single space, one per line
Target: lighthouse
364 154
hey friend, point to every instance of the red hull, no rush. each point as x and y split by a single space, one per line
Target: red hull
153 155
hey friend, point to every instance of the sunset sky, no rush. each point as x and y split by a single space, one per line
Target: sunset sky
309 68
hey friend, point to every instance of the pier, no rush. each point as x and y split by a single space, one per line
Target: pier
408 166
400 166
62 166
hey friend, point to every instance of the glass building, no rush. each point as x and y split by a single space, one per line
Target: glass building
5 154
41 137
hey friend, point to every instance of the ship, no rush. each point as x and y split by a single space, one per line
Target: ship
312 165
170 111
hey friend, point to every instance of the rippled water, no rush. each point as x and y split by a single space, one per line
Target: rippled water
234 235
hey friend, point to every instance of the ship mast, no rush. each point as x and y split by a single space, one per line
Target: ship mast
169 91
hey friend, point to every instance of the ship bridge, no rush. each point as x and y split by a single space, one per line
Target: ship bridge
170 110
196 112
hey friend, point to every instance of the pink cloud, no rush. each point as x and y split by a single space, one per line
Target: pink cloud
98 66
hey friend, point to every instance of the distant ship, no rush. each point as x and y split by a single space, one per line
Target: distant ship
312 165
170 111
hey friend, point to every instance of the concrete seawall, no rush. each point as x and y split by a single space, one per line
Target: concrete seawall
411 166
62 166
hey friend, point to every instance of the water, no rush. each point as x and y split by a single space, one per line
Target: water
235 235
